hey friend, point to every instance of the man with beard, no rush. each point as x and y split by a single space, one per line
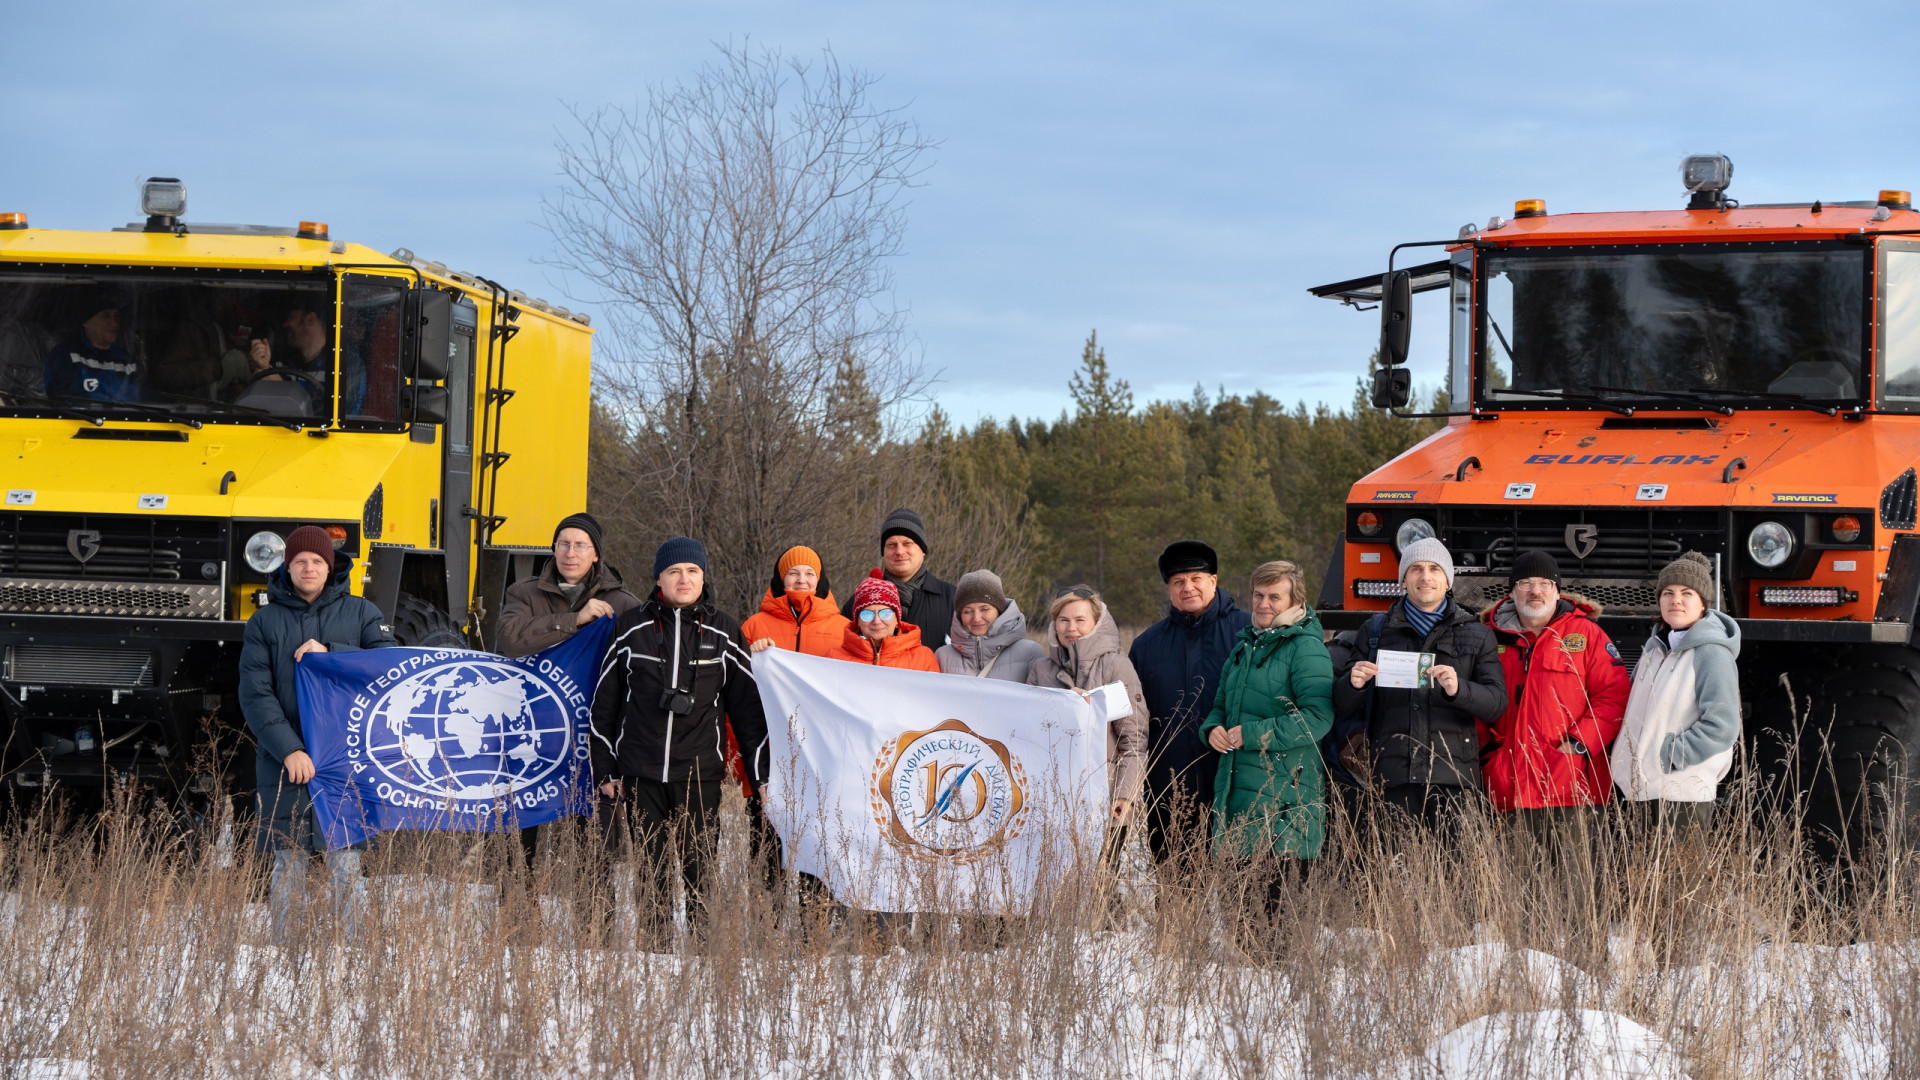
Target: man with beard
1546 756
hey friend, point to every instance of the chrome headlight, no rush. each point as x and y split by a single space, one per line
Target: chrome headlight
1410 530
266 551
1770 544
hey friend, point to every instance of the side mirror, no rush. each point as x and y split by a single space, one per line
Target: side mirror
1396 316
427 349
1392 388
425 404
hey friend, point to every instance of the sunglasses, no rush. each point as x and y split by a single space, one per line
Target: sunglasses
1078 593
884 614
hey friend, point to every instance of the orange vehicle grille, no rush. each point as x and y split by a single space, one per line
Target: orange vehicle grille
1588 543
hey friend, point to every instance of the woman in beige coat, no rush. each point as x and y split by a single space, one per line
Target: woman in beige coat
1083 653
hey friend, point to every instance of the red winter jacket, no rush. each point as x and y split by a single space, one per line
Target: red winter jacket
1564 681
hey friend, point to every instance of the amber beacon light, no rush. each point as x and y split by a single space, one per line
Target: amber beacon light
13 219
312 230
1526 208
1896 200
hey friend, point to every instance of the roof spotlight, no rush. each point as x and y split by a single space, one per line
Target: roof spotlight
164 200
1707 176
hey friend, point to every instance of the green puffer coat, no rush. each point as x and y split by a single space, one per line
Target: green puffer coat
1270 795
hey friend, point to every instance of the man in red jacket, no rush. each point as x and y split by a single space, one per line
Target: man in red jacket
1545 759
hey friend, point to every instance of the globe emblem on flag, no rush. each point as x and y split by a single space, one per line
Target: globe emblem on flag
948 795
471 729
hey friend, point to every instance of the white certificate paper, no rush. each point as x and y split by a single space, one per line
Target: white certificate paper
1403 670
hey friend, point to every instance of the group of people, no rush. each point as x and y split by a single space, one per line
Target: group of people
1242 718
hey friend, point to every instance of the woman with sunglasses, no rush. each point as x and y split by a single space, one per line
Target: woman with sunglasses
878 635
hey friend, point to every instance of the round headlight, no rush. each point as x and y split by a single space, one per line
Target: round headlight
1770 544
1410 530
266 551
1368 523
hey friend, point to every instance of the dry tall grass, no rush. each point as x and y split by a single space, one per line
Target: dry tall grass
133 949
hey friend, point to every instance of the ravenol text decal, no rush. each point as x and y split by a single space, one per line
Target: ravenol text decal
1393 496
1805 499
1622 459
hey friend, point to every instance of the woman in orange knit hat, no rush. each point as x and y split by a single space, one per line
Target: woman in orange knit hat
798 613
879 635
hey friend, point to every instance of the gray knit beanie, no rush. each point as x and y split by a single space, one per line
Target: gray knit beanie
1693 570
1427 549
980 587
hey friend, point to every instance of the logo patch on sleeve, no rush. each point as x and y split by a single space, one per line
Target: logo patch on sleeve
1613 652
1575 643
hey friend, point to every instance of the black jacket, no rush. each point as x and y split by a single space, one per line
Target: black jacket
696 650
337 619
929 606
1423 736
1179 660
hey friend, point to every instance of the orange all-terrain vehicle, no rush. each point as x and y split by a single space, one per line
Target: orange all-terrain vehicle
1742 381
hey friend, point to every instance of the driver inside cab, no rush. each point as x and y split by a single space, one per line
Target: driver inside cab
305 359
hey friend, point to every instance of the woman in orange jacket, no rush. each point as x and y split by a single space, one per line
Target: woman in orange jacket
798 613
879 636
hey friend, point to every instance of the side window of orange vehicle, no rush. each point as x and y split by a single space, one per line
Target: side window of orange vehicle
1900 327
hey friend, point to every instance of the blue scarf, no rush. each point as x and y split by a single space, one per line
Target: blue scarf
1423 622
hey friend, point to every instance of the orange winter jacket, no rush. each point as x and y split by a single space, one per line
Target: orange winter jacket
902 650
800 622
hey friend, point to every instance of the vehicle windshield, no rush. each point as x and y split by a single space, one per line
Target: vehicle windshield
196 347
1751 325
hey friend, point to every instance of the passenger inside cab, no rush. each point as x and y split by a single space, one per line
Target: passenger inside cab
92 362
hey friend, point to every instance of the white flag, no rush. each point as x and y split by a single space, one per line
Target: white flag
910 791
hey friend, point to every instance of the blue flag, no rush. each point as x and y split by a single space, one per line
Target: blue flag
449 739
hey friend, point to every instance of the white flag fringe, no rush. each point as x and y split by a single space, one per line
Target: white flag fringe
910 791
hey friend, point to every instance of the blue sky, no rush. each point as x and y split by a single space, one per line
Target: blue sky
1174 176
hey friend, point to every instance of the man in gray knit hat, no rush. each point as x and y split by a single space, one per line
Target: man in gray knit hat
1423 741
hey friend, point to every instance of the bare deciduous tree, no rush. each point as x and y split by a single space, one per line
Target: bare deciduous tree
738 228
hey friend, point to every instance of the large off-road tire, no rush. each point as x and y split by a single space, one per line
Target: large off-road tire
1857 750
416 622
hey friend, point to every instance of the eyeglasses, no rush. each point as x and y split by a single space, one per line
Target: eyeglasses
1534 584
884 614
583 546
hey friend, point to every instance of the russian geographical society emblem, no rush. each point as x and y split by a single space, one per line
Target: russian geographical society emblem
463 731
948 795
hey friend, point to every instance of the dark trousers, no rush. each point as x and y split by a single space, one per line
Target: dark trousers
1434 807
660 822
1179 825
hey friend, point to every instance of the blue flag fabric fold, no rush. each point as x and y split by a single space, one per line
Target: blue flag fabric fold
449 739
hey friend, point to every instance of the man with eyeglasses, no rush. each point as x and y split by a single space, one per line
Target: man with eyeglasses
1546 756
574 589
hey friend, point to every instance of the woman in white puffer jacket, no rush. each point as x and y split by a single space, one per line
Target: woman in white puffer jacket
1683 717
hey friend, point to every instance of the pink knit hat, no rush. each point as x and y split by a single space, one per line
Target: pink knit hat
876 589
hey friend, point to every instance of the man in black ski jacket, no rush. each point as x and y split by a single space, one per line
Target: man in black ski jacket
675 676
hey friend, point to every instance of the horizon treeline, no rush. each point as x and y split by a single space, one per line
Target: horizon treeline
1090 497
1100 490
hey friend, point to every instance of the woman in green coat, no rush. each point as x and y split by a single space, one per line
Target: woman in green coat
1274 706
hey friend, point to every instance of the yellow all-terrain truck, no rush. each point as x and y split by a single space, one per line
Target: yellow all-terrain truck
175 397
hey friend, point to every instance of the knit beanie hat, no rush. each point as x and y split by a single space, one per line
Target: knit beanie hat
798 555
904 522
980 587
876 589
310 538
1692 570
586 523
680 549
1427 549
1534 564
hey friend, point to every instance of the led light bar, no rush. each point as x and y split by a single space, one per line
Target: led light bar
1806 596
1373 589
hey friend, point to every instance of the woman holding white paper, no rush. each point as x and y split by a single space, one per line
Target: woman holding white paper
1083 653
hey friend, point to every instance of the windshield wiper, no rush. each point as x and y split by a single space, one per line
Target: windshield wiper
1568 395
135 407
232 411
1675 395
24 401
1767 395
